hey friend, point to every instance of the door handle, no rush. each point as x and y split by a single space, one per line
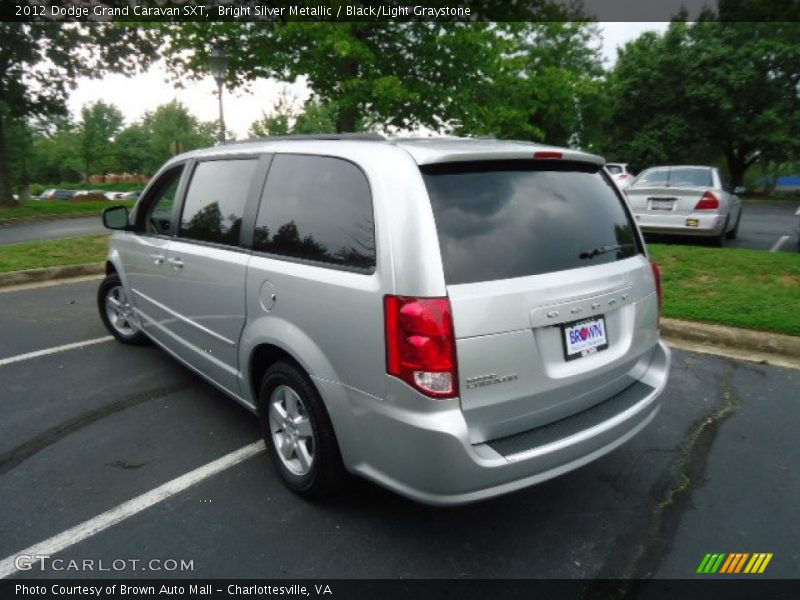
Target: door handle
176 263
158 258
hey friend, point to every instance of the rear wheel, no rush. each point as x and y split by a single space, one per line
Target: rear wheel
719 239
116 311
298 433
731 235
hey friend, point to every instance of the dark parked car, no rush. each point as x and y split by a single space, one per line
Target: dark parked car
58 194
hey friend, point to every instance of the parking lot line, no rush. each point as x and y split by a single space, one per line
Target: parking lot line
70 537
53 350
781 241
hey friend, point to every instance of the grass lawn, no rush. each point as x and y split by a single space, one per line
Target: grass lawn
50 253
727 286
32 208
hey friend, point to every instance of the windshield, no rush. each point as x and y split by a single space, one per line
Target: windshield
504 219
675 177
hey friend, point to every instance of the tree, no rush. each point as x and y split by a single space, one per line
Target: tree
40 62
171 130
393 74
100 123
546 86
285 118
716 89
131 151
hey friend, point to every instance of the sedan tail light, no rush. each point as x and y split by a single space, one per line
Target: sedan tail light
421 344
709 201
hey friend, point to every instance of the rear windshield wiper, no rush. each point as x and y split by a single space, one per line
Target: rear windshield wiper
603 250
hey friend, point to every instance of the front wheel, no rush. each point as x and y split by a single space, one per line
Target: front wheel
116 311
298 432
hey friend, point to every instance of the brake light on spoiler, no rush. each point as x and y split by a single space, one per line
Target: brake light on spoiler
547 155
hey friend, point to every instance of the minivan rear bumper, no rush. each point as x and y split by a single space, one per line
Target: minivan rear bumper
423 451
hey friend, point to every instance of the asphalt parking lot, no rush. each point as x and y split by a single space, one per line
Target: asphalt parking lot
86 429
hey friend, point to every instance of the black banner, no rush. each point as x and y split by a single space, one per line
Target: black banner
729 588
391 10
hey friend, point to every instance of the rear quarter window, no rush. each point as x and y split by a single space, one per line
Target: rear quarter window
505 219
317 208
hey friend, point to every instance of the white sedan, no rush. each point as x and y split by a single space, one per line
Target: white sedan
686 200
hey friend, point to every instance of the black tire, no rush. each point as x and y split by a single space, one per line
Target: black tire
326 474
731 235
719 240
129 335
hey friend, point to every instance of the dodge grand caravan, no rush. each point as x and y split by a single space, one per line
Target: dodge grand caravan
451 318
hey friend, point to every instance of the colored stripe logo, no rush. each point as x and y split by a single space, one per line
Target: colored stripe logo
736 562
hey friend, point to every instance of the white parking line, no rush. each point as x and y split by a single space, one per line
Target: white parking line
781 241
57 543
46 351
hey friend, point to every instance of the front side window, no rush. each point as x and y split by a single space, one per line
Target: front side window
215 201
158 213
317 208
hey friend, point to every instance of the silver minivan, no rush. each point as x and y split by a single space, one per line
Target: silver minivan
453 319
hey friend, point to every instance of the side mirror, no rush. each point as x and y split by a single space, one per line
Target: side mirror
116 217
739 189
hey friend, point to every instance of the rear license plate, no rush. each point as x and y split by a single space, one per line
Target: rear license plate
692 222
662 203
582 338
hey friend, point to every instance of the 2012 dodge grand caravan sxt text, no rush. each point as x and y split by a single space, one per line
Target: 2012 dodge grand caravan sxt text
453 319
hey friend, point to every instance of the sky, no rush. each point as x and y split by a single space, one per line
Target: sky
136 95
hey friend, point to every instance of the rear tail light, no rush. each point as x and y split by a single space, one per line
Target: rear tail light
659 288
708 202
421 345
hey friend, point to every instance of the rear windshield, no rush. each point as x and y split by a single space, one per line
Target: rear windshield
675 177
504 219
614 169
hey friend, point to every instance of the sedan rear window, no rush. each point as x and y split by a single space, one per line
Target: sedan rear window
675 177
504 219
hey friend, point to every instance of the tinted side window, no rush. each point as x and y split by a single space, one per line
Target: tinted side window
317 208
158 213
499 220
215 201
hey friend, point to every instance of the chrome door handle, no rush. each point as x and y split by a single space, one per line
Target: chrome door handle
176 263
158 258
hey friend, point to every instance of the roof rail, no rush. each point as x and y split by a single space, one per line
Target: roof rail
374 137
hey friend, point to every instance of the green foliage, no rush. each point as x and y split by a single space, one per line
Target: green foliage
41 62
707 92
51 253
285 118
100 123
171 130
395 75
741 288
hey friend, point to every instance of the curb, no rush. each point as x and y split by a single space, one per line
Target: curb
51 217
50 273
732 337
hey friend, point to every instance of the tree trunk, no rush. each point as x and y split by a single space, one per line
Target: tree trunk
346 120
737 167
6 196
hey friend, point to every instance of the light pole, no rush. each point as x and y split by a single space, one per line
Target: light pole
218 65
